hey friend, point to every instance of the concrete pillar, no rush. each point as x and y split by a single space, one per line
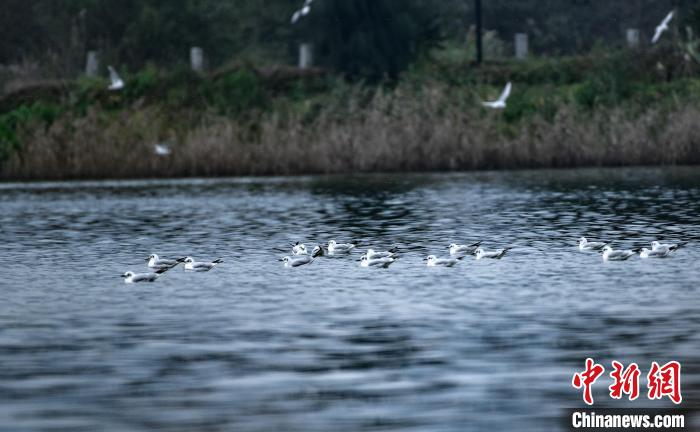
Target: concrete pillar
521 45
92 64
632 37
197 59
306 58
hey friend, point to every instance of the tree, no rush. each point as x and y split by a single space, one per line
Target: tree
371 39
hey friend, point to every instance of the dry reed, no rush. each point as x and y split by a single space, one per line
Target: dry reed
395 131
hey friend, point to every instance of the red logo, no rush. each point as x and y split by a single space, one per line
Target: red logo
665 381
626 381
661 381
586 379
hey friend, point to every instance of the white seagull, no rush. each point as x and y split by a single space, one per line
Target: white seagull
131 277
200 266
339 248
585 245
154 261
299 249
616 255
497 254
162 149
662 27
500 103
317 251
116 83
373 254
296 261
654 253
383 262
434 261
655 245
457 249
305 9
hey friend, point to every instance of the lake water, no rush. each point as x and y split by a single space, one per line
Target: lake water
252 346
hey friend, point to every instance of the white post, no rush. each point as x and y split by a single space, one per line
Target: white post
632 38
521 49
306 57
197 59
92 64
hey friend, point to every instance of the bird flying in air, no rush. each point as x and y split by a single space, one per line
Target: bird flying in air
662 27
500 103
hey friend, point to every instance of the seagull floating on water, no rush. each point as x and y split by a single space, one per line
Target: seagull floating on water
160 263
500 103
299 249
383 262
655 245
616 255
131 277
497 254
116 83
296 261
585 245
457 249
434 261
654 253
372 254
662 27
340 248
200 266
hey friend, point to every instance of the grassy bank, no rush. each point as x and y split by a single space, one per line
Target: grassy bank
605 109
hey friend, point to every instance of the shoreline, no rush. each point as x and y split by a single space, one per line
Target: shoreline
272 179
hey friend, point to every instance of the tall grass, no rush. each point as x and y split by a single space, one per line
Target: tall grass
434 128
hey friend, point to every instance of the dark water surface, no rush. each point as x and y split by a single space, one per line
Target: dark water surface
249 346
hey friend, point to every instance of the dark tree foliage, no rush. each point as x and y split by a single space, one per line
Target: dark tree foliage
372 39
368 39
571 26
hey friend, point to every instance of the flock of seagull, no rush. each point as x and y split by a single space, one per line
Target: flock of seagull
300 256
164 149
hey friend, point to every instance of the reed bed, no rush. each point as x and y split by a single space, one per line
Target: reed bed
400 130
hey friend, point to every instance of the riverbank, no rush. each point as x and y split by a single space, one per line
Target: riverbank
614 109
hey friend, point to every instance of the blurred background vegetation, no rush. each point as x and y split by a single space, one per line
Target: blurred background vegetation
366 50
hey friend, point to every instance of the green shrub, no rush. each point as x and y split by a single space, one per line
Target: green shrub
13 121
236 92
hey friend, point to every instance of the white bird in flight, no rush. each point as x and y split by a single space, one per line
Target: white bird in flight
616 255
500 103
662 27
585 245
162 149
116 83
200 266
305 9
